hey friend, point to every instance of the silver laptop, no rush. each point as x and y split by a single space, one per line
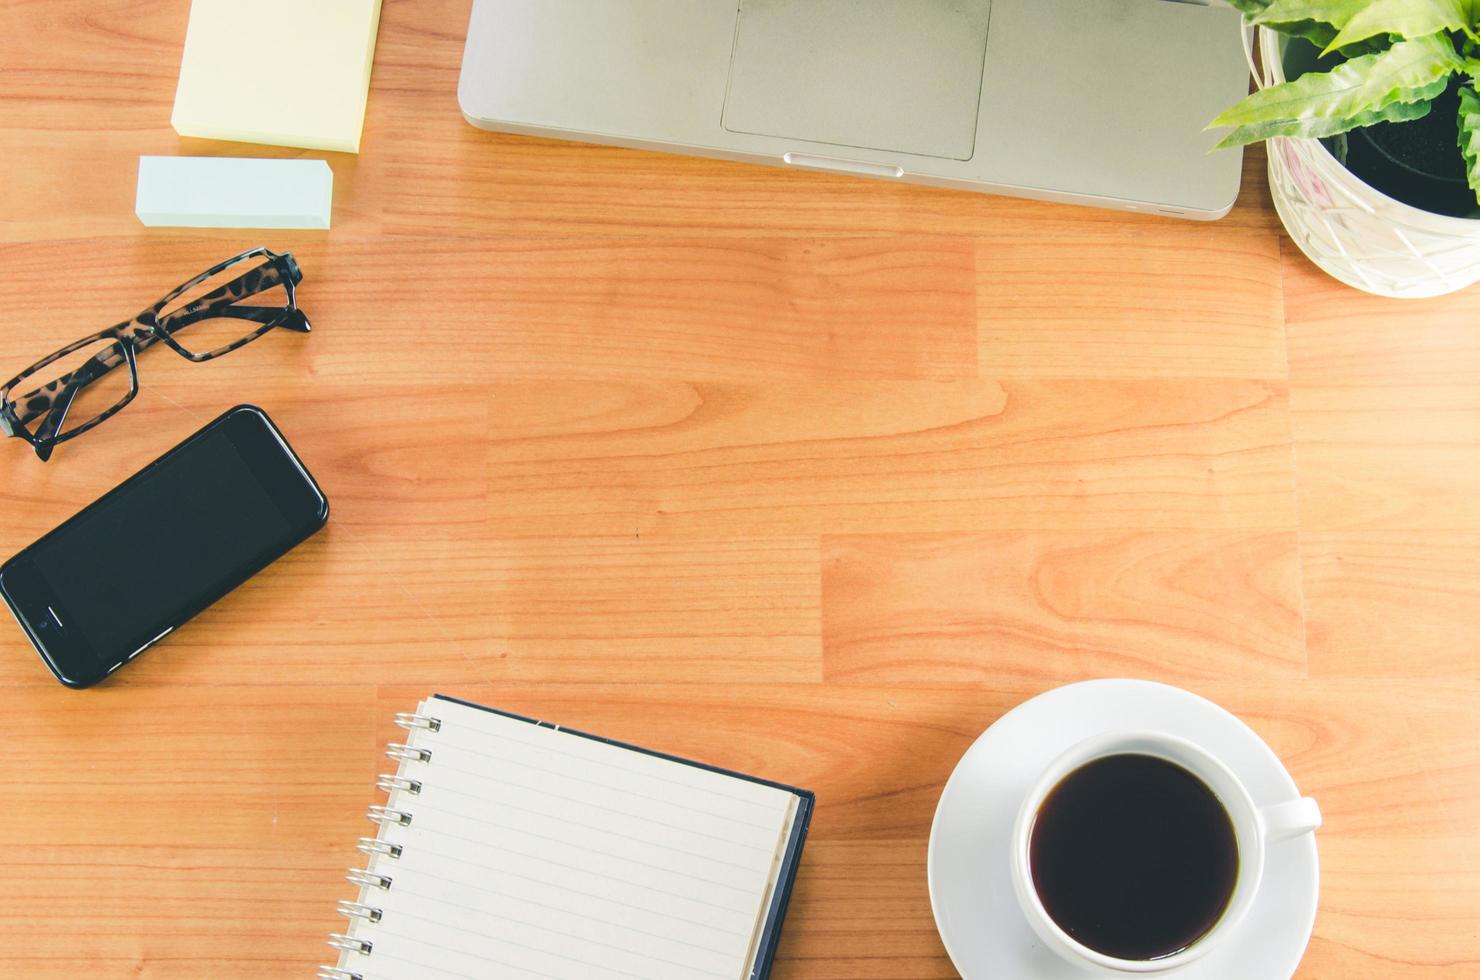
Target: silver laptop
1099 102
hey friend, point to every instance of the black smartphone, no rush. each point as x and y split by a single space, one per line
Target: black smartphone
166 543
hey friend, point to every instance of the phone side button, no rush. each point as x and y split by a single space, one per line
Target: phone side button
148 645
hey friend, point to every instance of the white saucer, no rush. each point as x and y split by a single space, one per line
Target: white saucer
971 893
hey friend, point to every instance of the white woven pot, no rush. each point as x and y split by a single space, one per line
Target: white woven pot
1358 234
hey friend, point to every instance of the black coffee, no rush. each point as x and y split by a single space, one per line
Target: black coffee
1133 856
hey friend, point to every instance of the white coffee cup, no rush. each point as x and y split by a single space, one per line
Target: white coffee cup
1254 828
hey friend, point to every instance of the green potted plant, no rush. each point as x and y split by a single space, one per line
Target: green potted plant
1372 118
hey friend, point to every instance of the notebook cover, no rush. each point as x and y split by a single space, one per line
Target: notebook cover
771 932
283 72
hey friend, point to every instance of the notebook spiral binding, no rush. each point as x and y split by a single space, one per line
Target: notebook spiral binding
405 753
410 722
368 879
386 816
390 784
371 846
350 944
354 910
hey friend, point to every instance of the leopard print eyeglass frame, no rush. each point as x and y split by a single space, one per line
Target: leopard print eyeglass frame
52 391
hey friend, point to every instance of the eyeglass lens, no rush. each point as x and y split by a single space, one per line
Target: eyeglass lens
61 397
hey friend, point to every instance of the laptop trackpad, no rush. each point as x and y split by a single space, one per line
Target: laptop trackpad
876 74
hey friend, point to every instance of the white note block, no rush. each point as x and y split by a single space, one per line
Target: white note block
219 192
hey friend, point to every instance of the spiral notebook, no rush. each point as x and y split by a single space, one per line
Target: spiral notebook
513 848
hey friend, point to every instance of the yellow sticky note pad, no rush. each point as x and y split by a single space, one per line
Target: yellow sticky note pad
287 72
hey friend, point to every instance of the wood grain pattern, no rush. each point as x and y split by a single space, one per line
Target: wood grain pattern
796 474
1392 603
851 458
1385 408
1054 307
1058 605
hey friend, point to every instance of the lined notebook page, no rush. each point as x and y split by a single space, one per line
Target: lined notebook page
536 853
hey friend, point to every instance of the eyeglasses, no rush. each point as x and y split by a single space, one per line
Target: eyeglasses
220 310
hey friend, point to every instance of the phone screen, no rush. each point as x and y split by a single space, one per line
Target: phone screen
162 546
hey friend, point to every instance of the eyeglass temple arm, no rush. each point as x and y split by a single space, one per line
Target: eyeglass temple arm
291 319
249 283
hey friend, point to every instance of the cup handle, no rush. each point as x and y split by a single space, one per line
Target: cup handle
1292 818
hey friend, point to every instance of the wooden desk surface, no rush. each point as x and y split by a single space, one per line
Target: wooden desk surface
802 475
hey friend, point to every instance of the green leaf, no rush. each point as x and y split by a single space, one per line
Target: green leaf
1333 24
1249 8
1469 135
1287 20
1320 104
1313 31
1310 30
1333 12
1405 18
1397 112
